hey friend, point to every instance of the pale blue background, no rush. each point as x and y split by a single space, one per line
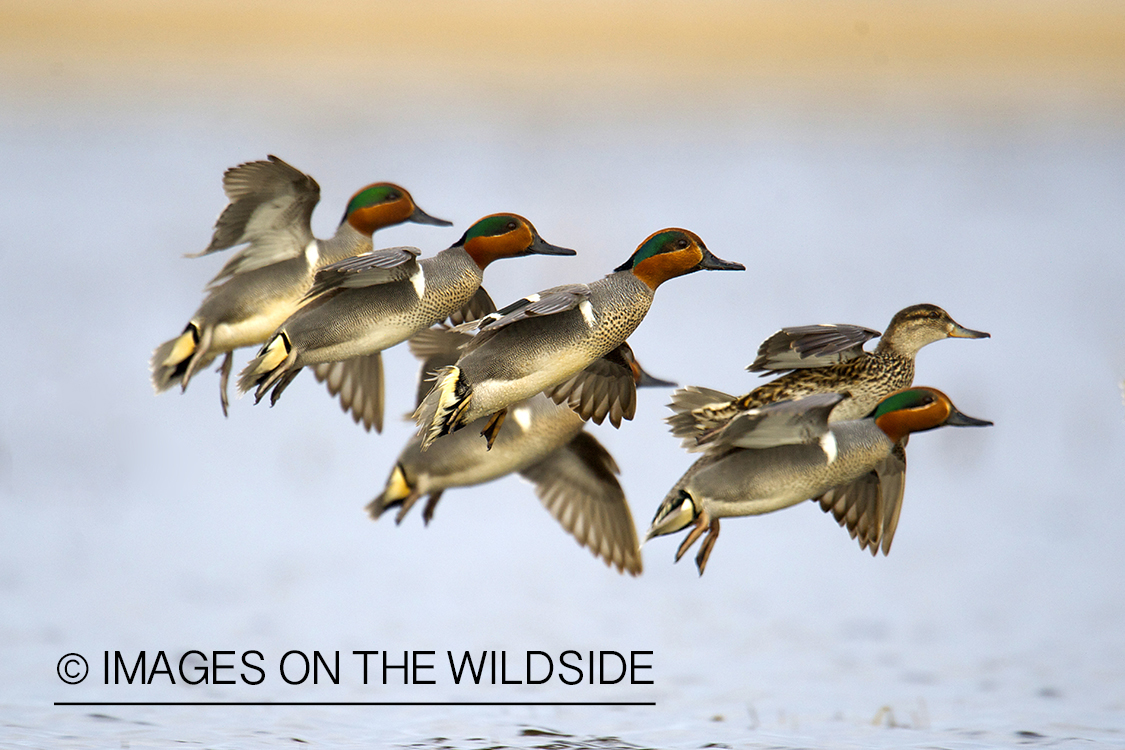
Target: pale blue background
130 521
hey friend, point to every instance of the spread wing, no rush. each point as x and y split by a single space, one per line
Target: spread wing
271 205
369 269
869 506
553 301
802 420
478 306
607 387
577 484
802 347
359 384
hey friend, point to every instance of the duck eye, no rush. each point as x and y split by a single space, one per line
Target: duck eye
511 225
393 196
681 244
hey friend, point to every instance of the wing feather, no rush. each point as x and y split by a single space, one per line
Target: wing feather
577 485
270 208
606 387
869 506
550 302
802 420
369 269
358 382
802 347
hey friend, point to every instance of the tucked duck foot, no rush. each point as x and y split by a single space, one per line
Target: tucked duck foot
224 378
281 384
708 543
431 504
407 504
492 429
702 523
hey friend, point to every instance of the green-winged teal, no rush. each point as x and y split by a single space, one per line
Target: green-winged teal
360 306
574 476
821 359
784 453
271 204
554 341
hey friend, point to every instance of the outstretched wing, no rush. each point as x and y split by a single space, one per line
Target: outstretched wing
892 477
803 347
577 484
869 507
358 382
271 205
369 269
606 387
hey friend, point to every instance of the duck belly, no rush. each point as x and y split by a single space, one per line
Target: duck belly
253 330
528 358
358 322
531 432
374 338
752 482
493 394
247 308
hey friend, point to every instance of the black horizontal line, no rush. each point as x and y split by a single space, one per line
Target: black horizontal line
355 703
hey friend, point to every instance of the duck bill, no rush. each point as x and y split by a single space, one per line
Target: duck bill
960 332
644 380
539 247
957 419
421 217
711 262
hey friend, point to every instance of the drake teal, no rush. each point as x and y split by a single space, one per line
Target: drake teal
574 475
270 209
820 359
555 341
787 452
360 306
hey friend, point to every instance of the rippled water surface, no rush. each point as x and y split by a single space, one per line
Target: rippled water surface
132 522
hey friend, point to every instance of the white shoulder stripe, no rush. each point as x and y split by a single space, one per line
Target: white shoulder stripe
312 253
588 312
419 281
828 445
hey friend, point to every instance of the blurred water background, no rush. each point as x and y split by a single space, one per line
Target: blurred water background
858 157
